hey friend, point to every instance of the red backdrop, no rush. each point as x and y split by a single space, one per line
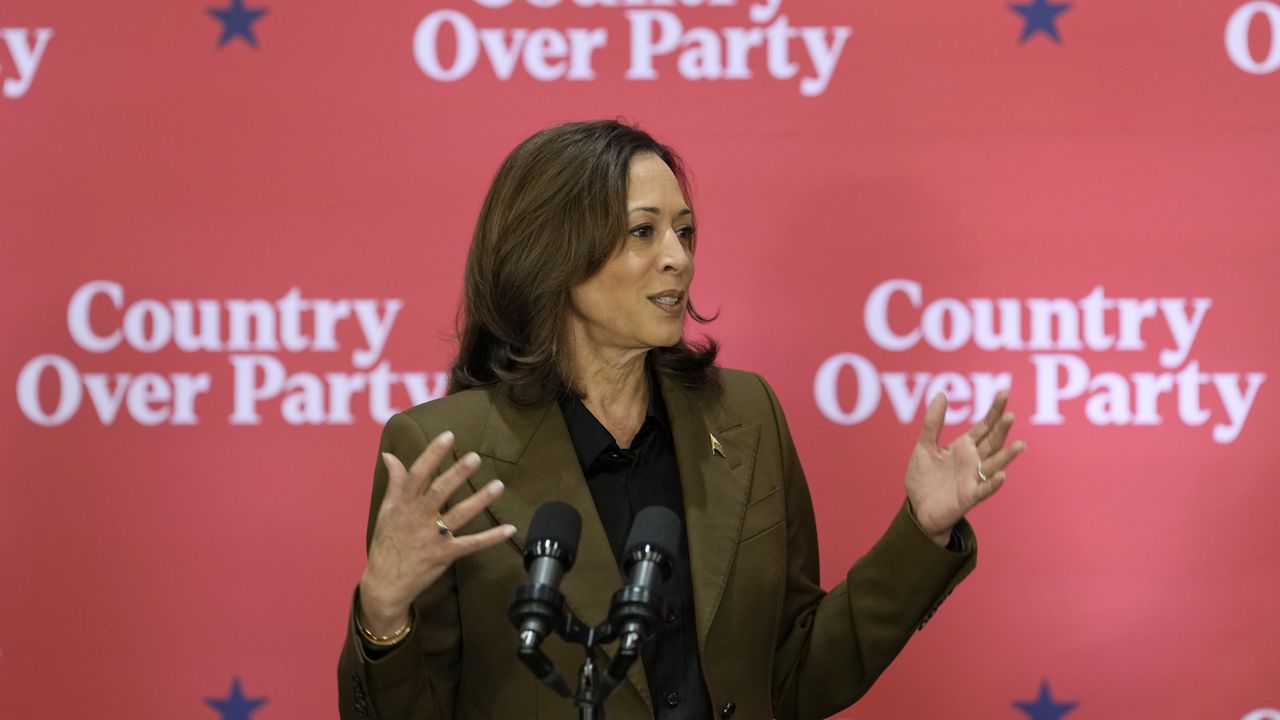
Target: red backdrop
1075 200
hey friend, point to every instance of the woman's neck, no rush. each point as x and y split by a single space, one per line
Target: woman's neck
614 389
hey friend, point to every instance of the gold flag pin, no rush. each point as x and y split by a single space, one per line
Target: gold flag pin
717 448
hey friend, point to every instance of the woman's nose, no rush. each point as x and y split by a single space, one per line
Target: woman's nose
675 255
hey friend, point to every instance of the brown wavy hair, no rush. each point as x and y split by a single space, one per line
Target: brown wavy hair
555 214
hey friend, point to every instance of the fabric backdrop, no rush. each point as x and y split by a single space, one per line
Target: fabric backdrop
233 236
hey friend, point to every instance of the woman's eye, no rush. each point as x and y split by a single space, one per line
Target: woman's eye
642 231
687 234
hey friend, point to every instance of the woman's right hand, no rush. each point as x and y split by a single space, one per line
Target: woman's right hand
408 551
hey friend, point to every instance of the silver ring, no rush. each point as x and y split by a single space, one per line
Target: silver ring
982 477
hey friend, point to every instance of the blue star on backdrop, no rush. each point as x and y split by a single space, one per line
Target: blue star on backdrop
1040 16
235 706
1045 707
237 21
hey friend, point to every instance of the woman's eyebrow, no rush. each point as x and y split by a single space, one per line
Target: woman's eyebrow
656 211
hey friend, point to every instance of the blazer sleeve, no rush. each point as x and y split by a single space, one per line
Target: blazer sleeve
831 646
417 680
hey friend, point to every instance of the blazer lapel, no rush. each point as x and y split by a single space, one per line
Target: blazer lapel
536 462
715 484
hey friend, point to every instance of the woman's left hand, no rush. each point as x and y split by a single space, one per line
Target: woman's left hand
943 483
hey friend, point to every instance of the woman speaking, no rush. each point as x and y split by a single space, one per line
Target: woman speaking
574 382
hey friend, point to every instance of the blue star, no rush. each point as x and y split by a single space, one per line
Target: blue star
235 706
1040 16
237 20
1044 707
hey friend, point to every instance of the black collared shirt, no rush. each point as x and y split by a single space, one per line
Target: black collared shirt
623 482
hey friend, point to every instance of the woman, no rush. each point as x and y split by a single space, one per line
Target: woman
573 383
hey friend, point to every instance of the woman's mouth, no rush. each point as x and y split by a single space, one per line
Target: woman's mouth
670 302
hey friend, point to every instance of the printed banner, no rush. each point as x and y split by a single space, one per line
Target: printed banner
234 234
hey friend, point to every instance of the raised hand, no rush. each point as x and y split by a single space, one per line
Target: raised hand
409 550
943 483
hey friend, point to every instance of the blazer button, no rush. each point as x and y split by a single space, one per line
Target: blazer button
673 699
728 710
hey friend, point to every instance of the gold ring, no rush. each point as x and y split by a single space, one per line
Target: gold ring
982 477
442 527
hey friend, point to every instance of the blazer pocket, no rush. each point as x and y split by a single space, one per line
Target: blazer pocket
763 514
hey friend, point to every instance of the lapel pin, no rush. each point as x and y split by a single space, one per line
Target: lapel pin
717 448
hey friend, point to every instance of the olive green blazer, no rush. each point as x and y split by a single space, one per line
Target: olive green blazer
772 642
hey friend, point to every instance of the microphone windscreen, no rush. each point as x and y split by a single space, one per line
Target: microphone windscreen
657 526
558 522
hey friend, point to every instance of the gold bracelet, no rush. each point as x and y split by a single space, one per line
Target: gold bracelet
385 640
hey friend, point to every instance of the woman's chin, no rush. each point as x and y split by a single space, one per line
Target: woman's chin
669 340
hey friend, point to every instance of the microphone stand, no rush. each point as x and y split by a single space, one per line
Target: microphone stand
635 612
595 681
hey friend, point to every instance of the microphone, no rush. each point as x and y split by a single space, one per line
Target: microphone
549 551
638 608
